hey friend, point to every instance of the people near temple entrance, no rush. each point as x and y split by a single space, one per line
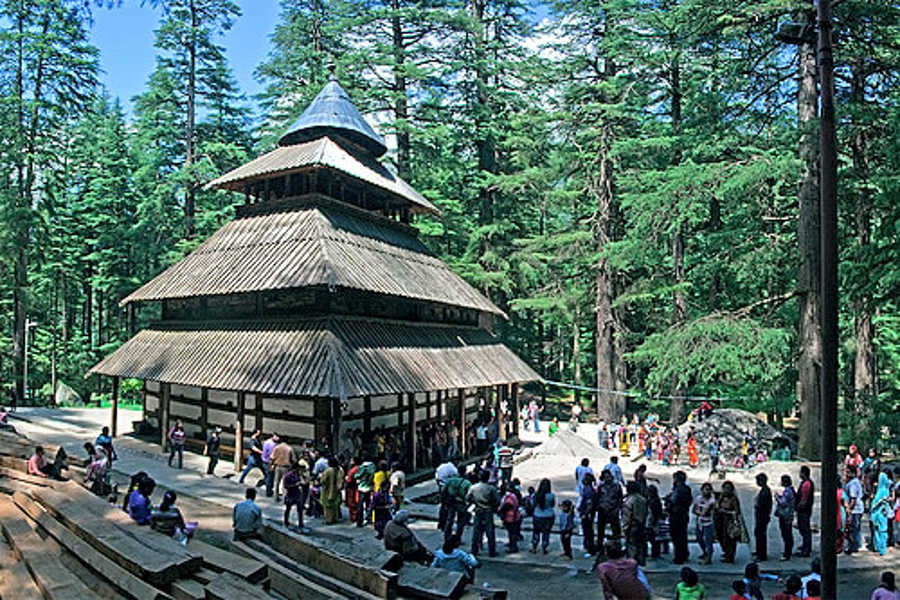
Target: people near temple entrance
266 457
280 459
504 456
880 509
785 502
704 510
679 503
331 481
294 496
212 449
381 508
730 529
247 517
534 415
621 577
806 494
762 514
454 504
543 516
381 475
400 539
104 440
364 488
714 449
451 557
254 459
657 524
481 437
397 481
510 516
139 505
350 488
855 507
566 527
484 497
607 504
176 442
615 470
634 521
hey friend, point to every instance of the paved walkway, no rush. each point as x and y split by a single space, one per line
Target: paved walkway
72 427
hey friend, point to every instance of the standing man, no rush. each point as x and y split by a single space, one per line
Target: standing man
445 471
254 459
293 496
505 461
331 480
806 493
267 448
634 517
762 514
485 497
855 508
580 471
615 470
212 449
679 503
365 480
714 448
281 458
454 503
608 503
704 508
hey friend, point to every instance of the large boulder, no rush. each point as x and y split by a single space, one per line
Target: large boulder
731 425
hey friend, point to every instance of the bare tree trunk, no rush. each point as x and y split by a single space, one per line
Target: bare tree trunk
679 301
401 108
809 359
576 350
189 199
864 371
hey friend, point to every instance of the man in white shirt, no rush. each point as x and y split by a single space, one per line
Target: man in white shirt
815 575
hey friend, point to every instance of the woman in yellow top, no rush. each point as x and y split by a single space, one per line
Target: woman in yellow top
381 474
623 443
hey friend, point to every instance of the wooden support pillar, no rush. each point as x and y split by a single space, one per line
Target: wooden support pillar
427 406
501 418
336 417
258 407
164 415
367 414
463 434
411 425
114 417
399 410
204 413
516 409
239 434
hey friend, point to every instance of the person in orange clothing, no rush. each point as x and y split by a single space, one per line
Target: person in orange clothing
692 451
39 467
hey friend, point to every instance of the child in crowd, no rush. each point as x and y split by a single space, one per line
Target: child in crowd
791 589
567 527
740 590
813 590
690 588
381 508
753 580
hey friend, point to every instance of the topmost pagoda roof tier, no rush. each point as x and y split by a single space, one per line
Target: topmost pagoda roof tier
332 113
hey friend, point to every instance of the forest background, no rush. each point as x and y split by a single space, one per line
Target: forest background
634 181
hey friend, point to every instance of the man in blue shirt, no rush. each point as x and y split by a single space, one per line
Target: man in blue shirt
452 558
139 506
247 517
853 490
615 470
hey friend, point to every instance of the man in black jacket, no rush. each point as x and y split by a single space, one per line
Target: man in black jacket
679 503
608 505
762 514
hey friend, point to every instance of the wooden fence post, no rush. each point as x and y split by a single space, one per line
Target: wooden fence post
115 407
239 435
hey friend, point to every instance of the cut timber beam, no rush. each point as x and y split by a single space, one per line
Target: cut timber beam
425 582
295 581
155 558
349 562
15 580
188 589
229 587
52 578
122 580
220 560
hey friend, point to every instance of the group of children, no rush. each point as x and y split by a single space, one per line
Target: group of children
750 586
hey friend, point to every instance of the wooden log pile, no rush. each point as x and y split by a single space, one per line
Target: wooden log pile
58 541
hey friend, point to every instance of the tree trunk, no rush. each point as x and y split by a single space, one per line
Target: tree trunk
679 301
401 103
809 334
576 350
864 371
189 199
484 143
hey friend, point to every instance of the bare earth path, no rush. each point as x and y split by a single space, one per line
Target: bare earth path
209 501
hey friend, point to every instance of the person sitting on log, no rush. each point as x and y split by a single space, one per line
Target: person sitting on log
452 558
247 517
399 538
39 467
167 519
139 506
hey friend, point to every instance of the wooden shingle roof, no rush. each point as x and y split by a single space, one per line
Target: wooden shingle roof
337 357
321 243
323 153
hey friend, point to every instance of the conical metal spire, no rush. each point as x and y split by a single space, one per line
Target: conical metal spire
332 112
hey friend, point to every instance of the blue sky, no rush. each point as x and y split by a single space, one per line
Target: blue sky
125 37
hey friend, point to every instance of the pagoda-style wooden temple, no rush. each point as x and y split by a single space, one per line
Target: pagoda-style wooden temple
317 312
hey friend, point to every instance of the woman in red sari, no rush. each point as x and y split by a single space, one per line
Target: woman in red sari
350 489
692 451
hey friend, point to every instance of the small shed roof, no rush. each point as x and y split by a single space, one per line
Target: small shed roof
321 243
323 152
337 357
332 111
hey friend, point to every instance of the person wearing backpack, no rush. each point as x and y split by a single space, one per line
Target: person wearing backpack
784 512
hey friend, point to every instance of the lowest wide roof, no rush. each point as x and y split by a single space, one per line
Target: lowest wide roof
337 357
324 243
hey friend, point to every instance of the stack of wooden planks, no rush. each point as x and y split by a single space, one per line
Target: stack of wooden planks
60 542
